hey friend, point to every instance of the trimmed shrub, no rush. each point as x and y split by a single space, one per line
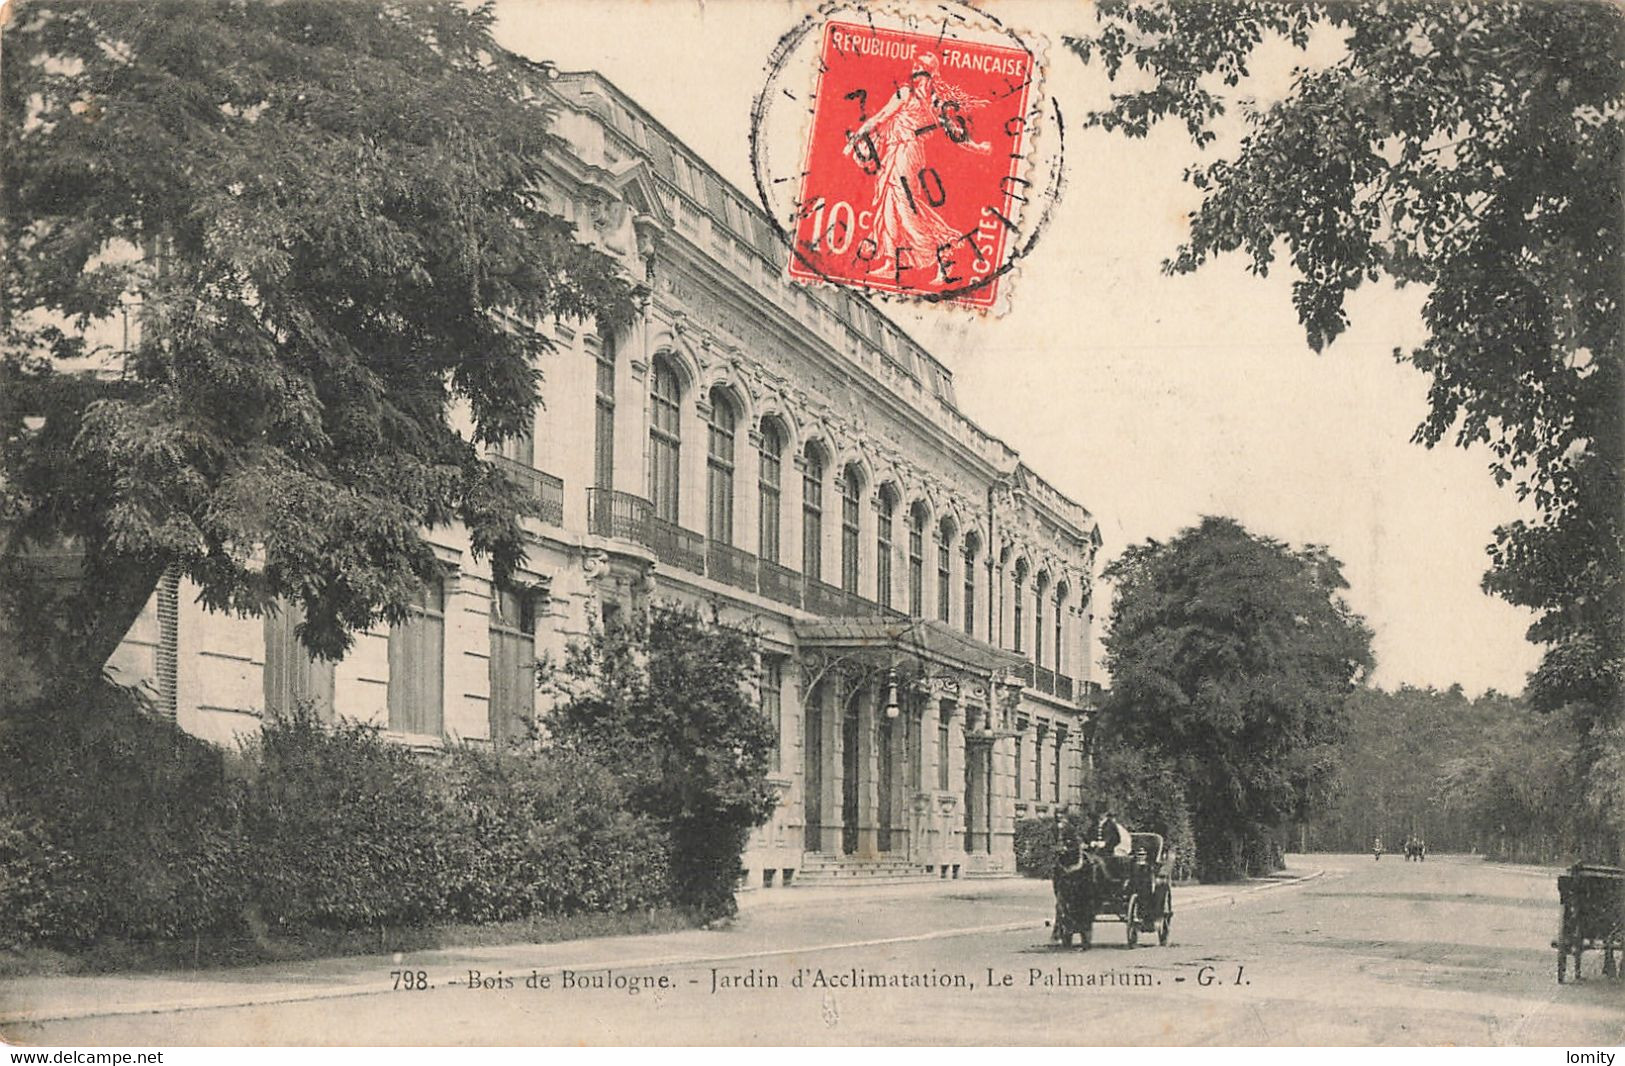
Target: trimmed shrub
343 830
1036 844
347 830
117 825
549 833
125 823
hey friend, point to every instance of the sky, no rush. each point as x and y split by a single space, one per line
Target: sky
1150 400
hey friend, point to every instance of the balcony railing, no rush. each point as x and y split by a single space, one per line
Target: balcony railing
731 566
1024 670
1063 686
544 488
678 546
611 513
779 583
1044 680
820 598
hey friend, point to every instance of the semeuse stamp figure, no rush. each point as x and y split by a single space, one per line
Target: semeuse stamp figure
913 179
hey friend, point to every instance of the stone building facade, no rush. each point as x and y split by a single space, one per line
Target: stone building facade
784 453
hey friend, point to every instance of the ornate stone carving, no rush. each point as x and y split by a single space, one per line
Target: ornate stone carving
594 563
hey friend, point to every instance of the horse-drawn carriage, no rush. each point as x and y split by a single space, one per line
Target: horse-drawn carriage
1136 890
1593 899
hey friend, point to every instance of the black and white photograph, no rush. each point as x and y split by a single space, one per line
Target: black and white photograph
925 523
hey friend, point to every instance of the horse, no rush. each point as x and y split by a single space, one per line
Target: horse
1079 889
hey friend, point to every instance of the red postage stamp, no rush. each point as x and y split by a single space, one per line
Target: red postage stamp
913 176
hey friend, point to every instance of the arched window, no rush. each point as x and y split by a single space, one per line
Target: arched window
970 583
883 535
1060 615
769 485
719 469
916 560
812 514
1040 587
851 499
1019 583
945 547
665 440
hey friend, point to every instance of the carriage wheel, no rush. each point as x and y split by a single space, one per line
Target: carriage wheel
1131 918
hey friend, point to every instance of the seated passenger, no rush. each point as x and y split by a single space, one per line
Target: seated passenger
1118 840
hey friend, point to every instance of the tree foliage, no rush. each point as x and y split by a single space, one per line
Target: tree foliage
667 701
1465 775
1474 148
324 220
1232 655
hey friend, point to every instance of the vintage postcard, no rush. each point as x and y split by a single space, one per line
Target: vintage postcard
660 522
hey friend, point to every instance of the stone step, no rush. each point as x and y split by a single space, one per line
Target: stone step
910 879
825 870
849 860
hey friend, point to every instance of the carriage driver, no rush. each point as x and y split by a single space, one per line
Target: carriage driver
1114 838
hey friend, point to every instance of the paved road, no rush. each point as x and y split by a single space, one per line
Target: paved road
1452 951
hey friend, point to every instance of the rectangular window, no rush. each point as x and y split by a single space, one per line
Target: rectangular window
944 581
1038 628
1038 765
719 476
293 677
768 479
521 449
942 750
849 537
417 652
913 733
772 708
603 450
664 447
916 565
1055 778
812 520
883 556
970 593
1021 767
512 664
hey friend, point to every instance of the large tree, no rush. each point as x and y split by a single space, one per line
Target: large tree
1232 655
1476 149
328 216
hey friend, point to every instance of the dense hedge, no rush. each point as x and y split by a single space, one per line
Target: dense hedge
126 825
1035 843
115 824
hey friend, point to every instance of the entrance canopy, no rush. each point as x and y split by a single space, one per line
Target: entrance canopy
906 640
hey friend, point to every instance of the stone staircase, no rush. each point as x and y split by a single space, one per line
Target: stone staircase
821 871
